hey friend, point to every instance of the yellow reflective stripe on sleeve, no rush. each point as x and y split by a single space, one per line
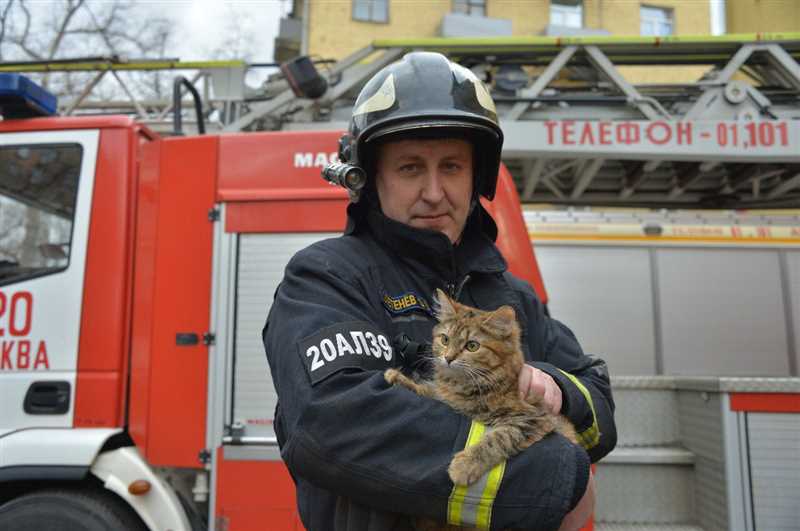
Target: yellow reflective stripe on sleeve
494 477
472 505
456 504
590 437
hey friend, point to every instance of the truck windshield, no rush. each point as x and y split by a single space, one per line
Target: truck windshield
38 190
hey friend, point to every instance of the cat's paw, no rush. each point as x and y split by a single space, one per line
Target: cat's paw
465 470
391 376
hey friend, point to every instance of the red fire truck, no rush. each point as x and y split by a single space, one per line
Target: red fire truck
135 274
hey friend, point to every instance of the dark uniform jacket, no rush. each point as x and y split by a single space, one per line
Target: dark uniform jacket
365 455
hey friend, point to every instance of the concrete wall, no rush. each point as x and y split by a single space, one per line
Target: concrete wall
748 16
527 18
621 17
334 34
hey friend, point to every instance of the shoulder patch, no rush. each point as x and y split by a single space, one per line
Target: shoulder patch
405 302
350 345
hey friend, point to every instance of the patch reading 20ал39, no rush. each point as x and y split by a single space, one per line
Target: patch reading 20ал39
350 345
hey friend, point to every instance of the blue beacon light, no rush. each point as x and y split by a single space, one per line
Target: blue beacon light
22 98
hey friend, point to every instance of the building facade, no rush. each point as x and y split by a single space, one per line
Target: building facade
335 28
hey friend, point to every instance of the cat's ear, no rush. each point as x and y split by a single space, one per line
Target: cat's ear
444 306
503 320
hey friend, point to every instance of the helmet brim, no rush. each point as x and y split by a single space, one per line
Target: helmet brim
424 127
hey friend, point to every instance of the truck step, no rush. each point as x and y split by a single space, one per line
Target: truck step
646 527
646 484
646 412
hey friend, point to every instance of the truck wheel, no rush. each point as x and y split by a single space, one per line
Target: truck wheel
72 510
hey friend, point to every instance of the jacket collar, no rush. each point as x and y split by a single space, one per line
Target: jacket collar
475 253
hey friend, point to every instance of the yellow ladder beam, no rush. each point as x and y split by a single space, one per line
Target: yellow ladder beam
95 66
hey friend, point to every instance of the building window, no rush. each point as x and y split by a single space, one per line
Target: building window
566 13
470 7
371 10
656 21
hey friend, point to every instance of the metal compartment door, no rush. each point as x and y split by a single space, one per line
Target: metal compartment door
261 263
249 268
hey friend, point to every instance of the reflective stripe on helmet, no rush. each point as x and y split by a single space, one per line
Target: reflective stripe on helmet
481 94
381 100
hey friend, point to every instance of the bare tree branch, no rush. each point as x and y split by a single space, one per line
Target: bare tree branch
72 8
100 28
239 36
84 31
4 22
22 41
61 29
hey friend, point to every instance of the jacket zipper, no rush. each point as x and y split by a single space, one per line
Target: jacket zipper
451 286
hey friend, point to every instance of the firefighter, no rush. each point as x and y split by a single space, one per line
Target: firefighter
368 456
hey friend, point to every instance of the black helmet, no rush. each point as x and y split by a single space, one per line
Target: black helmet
426 95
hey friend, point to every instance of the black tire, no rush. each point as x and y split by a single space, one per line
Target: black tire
69 510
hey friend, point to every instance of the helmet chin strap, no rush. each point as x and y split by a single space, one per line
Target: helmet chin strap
472 204
476 196
355 196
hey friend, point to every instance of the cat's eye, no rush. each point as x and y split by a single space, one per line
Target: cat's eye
472 345
444 339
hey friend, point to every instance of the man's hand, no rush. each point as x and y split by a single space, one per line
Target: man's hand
535 384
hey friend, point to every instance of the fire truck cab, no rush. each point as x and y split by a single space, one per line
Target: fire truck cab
136 272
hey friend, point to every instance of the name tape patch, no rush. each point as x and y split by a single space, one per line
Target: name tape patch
353 345
405 303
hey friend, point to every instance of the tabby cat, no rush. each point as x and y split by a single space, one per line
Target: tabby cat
477 360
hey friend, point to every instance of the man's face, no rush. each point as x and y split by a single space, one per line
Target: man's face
426 183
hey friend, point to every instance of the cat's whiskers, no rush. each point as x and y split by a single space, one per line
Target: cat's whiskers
485 374
470 373
434 356
482 379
